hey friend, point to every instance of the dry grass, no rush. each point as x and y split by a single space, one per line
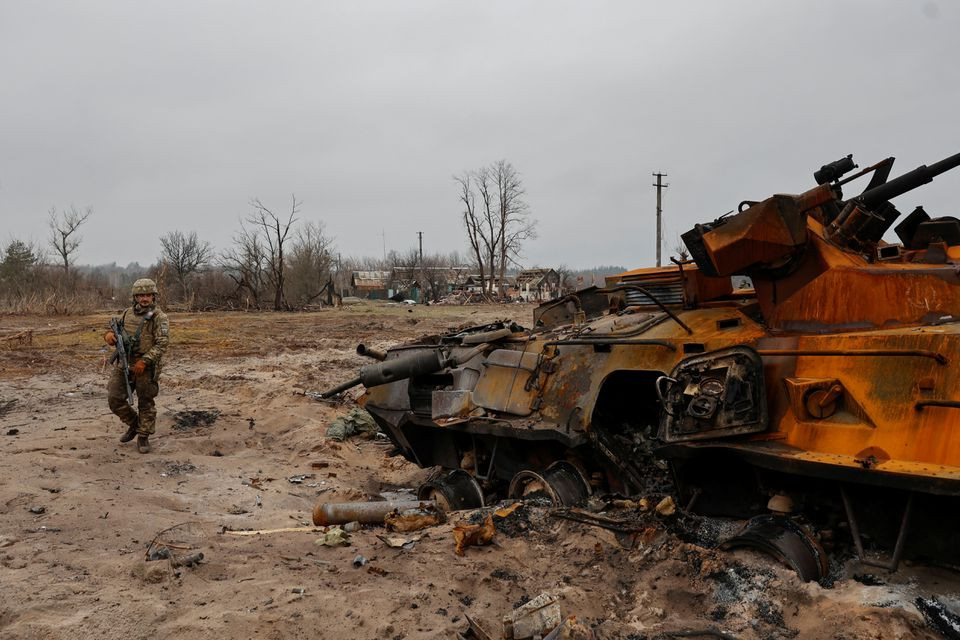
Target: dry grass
63 342
51 304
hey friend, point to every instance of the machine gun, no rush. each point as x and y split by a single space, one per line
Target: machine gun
120 355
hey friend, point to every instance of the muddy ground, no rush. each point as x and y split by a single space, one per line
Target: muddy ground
78 511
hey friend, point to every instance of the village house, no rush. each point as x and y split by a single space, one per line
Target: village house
538 284
373 285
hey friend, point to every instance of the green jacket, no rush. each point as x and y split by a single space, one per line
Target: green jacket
154 335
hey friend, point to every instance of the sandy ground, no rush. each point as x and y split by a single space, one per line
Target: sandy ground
78 511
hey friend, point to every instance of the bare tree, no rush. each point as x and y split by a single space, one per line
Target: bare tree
492 233
309 263
566 279
245 263
680 249
481 221
513 222
63 233
471 222
185 254
439 274
274 232
496 218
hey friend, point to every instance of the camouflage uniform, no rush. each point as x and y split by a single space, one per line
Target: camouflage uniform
154 337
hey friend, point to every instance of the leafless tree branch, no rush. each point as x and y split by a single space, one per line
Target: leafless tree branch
63 233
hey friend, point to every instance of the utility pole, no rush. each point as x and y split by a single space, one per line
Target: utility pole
660 186
422 275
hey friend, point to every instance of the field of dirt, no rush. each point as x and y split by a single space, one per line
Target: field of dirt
239 447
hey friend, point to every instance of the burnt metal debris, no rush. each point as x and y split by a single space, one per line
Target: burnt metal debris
831 381
786 541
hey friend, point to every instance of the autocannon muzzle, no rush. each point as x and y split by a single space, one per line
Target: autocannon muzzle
371 352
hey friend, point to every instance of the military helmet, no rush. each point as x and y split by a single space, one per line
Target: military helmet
144 285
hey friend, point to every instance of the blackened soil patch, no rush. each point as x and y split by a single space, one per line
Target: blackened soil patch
187 420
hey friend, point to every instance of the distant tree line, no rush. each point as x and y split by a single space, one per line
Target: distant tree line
275 260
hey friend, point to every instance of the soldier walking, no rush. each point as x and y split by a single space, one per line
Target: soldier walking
145 331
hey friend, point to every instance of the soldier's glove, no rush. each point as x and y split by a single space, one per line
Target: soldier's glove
138 367
110 338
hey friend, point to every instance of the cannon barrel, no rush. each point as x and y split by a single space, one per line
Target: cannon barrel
420 363
907 182
415 364
340 388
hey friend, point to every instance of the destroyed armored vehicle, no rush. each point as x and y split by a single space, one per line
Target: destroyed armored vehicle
830 387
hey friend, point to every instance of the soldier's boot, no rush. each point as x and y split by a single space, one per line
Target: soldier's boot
143 444
131 432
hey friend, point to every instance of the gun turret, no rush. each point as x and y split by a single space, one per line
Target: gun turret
768 236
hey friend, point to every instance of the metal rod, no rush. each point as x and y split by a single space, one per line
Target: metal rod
852 521
349 384
902 536
919 353
576 515
611 341
894 562
872 167
493 457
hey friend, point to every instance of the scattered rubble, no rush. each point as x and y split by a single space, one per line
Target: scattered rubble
400 542
187 560
666 507
468 535
413 519
533 619
6 406
334 537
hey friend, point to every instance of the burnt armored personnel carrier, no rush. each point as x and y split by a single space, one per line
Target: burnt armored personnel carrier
831 386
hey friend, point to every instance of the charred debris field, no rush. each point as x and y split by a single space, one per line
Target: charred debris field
97 540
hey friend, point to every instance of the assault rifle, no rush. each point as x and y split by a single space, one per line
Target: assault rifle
120 355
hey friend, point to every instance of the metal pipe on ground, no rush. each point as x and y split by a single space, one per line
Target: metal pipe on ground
363 512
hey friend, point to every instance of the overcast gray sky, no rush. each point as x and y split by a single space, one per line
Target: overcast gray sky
172 115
